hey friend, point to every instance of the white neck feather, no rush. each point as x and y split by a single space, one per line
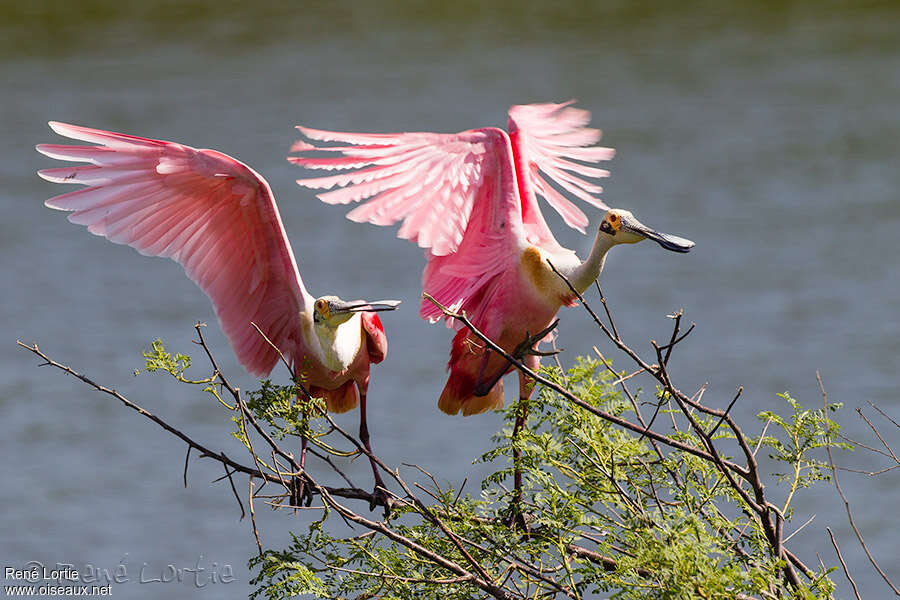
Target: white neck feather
588 271
340 344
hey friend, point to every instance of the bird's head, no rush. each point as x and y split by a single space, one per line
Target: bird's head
331 311
624 228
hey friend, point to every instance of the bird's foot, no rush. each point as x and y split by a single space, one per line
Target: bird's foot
301 493
381 497
527 346
518 520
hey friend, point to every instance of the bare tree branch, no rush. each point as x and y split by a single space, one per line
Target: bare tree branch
843 564
846 502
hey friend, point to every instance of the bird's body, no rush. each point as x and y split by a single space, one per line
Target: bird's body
217 217
341 347
526 301
344 353
337 366
470 199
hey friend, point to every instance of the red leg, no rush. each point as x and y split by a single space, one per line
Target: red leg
380 492
364 438
299 492
303 445
484 386
526 387
527 349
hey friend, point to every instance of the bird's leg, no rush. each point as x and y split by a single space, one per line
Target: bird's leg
526 387
298 484
379 495
484 386
300 492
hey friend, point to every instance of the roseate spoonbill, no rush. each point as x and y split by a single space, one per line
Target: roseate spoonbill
217 218
470 200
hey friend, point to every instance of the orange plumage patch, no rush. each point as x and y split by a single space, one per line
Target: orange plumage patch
338 400
533 264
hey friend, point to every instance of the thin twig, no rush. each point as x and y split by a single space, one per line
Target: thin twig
884 414
186 457
278 350
233 488
796 531
205 452
253 519
837 486
727 410
843 564
235 393
878 435
606 308
571 397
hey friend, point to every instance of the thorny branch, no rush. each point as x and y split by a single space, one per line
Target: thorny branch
477 575
846 502
518 364
769 517
283 468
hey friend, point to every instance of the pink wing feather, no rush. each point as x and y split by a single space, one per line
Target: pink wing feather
203 209
455 192
552 140
468 198
428 180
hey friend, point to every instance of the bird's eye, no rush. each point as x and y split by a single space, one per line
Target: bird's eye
613 218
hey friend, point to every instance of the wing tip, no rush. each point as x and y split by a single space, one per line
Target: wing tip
313 134
301 146
551 106
356 217
311 184
42 173
63 129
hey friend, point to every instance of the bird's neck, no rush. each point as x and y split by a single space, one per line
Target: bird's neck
340 344
587 272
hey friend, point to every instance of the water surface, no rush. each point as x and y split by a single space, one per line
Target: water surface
768 136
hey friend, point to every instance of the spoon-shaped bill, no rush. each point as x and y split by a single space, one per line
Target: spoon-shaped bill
666 240
363 306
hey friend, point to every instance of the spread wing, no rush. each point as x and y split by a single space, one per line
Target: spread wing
212 214
553 145
430 181
456 194
468 198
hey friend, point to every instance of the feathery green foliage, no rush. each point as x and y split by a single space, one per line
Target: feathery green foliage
604 514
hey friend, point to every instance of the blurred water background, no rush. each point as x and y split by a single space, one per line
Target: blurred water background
767 133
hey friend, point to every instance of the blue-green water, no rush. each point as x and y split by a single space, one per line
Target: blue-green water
769 136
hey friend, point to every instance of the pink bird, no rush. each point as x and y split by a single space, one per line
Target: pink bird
217 218
469 199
